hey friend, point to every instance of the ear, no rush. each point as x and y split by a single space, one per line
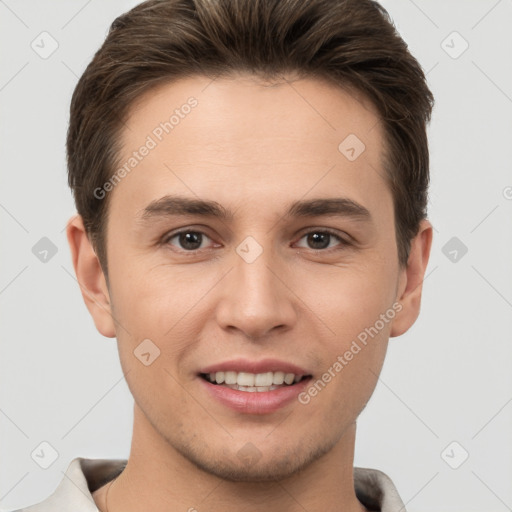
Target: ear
411 280
90 277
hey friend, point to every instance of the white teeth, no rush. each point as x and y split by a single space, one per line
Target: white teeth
245 379
230 377
278 378
288 378
263 379
251 380
252 389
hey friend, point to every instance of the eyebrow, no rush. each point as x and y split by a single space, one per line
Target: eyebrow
170 205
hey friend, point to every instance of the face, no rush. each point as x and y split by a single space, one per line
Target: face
290 262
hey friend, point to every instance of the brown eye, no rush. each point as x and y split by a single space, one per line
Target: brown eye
321 239
188 240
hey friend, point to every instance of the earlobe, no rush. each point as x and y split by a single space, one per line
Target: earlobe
90 277
411 280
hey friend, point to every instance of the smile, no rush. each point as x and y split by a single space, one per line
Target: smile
253 382
253 393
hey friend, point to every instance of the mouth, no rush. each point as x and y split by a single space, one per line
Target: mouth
254 382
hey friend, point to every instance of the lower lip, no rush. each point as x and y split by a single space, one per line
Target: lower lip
257 402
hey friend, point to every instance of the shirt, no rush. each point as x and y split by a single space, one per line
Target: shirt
374 489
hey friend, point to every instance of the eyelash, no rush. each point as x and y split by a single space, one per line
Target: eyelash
343 241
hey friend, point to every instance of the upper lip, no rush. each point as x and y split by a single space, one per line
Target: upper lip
263 366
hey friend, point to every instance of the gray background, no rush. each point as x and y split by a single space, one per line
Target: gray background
449 379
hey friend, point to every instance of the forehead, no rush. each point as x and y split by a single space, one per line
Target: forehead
210 137
247 106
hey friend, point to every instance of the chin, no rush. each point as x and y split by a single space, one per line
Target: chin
252 465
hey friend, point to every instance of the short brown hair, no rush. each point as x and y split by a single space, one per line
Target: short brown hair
352 43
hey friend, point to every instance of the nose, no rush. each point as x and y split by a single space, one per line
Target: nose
256 297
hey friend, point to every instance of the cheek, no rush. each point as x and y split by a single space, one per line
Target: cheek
358 311
160 305
156 335
349 299
152 297
356 304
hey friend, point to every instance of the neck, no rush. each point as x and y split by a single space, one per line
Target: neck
159 478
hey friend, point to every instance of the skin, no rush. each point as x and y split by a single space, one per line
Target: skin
254 148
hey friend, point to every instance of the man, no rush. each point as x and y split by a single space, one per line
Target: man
251 184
